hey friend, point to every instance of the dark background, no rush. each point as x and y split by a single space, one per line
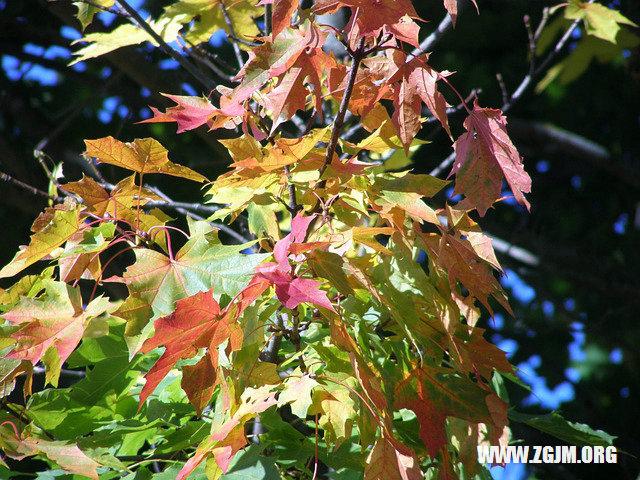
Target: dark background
574 287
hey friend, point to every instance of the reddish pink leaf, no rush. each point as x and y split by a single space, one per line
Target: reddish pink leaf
299 226
292 291
485 145
414 83
367 20
189 113
302 290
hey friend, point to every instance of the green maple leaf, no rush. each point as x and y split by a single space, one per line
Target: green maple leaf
599 20
202 263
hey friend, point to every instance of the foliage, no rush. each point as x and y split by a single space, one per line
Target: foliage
345 351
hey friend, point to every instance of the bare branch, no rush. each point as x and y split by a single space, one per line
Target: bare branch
5 177
337 125
535 72
234 38
443 165
192 69
428 43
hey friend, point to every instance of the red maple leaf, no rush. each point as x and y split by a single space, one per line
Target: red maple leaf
414 83
197 322
483 155
367 20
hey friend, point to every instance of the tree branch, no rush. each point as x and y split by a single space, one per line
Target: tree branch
344 105
428 43
5 177
535 72
192 69
233 36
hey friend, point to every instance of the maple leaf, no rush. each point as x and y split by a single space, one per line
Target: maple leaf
483 155
414 83
52 228
273 58
297 392
86 12
290 94
437 394
199 381
200 264
600 21
189 113
369 88
292 290
202 18
80 258
52 324
193 112
144 156
121 203
367 20
197 322
452 9
389 461
128 34
458 257
281 14
229 438
69 457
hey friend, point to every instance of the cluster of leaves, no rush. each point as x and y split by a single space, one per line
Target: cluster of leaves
345 351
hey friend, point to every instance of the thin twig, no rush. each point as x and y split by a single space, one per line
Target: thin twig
64 371
293 206
460 106
5 177
267 19
192 69
503 88
443 165
233 36
271 351
526 81
428 43
201 56
189 208
193 207
532 44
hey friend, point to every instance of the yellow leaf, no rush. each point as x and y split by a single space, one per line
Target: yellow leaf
125 35
143 155
54 227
